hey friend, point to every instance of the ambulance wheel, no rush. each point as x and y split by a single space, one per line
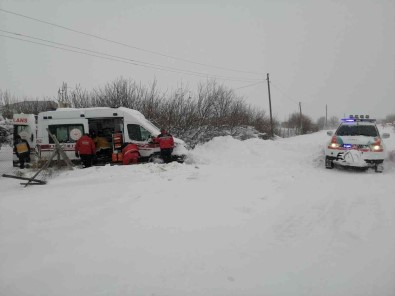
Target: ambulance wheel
328 163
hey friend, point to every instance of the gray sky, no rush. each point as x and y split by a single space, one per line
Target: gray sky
340 52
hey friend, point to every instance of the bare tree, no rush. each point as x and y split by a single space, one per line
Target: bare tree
64 100
333 122
295 122
390 118
6 101
214 109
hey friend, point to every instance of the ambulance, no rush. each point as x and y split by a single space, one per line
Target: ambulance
118 125
25 125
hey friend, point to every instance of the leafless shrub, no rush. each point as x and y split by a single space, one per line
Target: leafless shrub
303 124
213 110
390 118
332 122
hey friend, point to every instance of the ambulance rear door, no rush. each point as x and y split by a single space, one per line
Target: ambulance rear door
25 125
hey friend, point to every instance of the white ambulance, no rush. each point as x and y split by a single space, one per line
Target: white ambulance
25 125
69 124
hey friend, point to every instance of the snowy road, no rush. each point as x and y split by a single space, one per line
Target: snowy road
273 222
5 159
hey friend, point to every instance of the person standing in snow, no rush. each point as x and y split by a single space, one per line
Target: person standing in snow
22 150
166 144
103 147
101 142
86 149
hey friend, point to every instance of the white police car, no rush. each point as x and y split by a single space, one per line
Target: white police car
356 143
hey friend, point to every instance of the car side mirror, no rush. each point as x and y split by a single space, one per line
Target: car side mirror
385 136
329 133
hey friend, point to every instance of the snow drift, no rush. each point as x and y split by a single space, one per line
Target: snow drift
239 218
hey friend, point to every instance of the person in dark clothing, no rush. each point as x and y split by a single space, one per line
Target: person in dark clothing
86 149
22 150
166 144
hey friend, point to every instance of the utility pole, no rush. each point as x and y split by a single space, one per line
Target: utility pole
270 108
326 116
301 122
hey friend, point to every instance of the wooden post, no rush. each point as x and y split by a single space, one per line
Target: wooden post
43 168
301 120
326 116
60 151
270 108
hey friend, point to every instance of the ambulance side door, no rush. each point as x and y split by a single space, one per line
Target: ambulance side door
142 138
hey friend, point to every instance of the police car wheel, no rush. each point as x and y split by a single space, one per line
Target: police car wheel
378 168
328 163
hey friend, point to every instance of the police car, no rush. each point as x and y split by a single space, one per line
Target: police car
356 143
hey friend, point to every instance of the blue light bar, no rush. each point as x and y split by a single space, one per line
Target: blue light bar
347 145
357 119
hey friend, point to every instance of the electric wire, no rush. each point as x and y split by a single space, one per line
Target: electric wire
164 68
127 45
122 60
249 85
283 93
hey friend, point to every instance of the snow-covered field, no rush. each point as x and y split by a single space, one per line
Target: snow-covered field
240 218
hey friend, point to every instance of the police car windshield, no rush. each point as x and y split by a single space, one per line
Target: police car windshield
357 130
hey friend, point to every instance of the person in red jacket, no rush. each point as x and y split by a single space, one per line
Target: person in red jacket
86 149
130 154
166 144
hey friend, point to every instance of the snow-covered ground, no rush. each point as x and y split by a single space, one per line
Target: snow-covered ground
239 218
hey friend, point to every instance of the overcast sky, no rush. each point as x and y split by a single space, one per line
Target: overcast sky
340 53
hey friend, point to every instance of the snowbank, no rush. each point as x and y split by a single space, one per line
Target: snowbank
247 217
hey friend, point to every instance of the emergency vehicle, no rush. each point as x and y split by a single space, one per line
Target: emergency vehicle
117 125
356 143
25 125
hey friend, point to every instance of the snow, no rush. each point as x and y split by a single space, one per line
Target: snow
247 217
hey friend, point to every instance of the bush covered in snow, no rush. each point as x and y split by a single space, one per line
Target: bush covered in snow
5 133
194 116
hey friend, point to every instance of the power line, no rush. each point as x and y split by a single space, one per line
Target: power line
249 85
284 94
156 66
127 45
125 61
62 48
121 59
